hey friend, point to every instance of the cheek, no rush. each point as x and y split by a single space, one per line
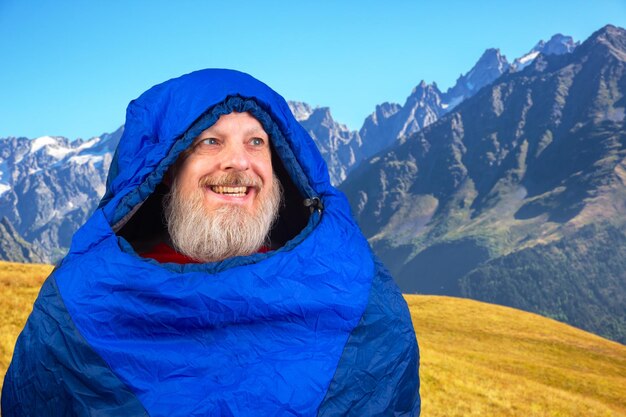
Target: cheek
187 177
264 168
267 177
193 168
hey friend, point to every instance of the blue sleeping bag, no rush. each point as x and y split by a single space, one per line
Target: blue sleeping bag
314 327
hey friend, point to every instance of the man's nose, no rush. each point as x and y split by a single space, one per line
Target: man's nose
235 158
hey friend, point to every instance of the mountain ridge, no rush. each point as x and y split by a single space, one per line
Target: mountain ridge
521 166
528 160
342 148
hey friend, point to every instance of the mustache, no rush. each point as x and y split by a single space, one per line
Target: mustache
236 179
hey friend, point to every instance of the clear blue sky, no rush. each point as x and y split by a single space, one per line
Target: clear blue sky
69 68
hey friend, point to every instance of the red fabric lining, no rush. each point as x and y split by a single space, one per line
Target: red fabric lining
164 253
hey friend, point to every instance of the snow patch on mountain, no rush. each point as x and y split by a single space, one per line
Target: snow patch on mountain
527 59
84 159
43 141
50 185
89 144
452 102
58 152
5 177
4 188
557 45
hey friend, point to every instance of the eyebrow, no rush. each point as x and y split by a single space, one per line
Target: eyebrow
250 131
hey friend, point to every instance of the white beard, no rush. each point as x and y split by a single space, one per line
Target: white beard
230 230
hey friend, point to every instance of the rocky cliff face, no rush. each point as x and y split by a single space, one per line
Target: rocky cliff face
490 66
509 187
530 160
426 104
557 45
50 185
391 122
14 247
340 147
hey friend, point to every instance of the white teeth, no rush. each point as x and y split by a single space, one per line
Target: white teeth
234 191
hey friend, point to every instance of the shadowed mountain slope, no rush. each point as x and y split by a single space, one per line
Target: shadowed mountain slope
529 160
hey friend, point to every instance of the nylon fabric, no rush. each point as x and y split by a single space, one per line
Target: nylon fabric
264 342
380 356
271 334
68 378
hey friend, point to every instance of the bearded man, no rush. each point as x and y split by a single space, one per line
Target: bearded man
224 196
221 275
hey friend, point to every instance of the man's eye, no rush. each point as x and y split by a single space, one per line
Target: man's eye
209 141
257 141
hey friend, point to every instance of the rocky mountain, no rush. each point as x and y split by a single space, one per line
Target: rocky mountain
49 185
490 66
340 147
301 111
426 104
344 150
557 45
391 122
45 212
14 247
529 170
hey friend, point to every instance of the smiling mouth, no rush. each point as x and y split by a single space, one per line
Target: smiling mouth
238 191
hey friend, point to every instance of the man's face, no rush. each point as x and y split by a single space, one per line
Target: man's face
231 163
224 197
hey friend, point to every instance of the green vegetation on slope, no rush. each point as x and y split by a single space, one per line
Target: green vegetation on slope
579 279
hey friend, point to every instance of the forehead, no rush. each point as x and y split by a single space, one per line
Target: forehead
235 124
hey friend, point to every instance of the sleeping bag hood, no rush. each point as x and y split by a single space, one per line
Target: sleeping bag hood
313 327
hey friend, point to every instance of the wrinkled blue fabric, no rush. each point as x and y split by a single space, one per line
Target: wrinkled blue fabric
55 372
316 327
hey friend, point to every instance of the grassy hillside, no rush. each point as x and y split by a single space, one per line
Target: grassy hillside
19 286
477 359
482 359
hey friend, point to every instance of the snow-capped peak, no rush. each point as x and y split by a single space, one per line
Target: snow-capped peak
43 141
300 110
557 45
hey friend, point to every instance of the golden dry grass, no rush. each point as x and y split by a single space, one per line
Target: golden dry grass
19 286
481 359
477 359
